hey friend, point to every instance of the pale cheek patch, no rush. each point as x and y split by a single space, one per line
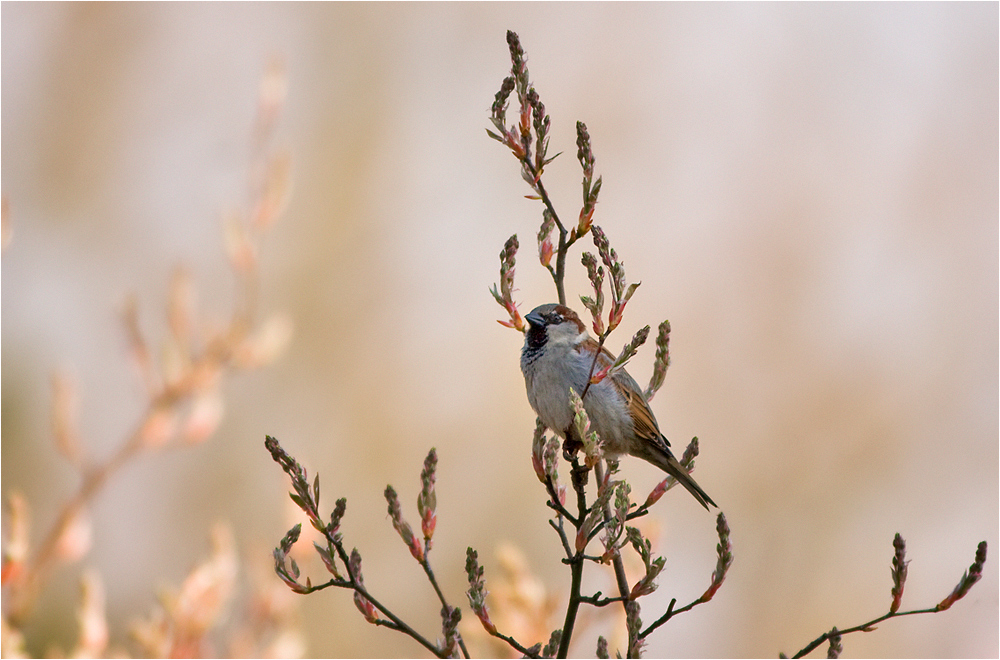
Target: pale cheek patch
565 336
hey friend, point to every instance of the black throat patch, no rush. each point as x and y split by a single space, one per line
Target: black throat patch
534 342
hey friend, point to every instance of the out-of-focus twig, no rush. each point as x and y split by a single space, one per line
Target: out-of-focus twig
184 403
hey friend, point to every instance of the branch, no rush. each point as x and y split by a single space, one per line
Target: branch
621 580
528 141
725 560
579 478
970 577
306 497
183 404
477 600
535 122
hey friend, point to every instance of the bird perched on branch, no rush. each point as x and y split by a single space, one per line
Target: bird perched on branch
558 354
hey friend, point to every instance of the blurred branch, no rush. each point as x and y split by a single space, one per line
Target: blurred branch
183 394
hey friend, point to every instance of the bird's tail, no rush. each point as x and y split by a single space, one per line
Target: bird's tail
665 460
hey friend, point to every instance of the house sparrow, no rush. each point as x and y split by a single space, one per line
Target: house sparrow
557 355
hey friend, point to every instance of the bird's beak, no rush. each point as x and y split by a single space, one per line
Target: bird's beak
534 318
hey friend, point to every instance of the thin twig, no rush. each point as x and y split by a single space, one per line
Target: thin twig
559 275
555 505
597 601
562 535
864 627
426 564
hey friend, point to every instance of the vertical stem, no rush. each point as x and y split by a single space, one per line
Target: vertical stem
560 275
620 576
579 479
574 606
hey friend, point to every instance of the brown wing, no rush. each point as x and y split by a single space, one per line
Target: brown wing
657 451
642 417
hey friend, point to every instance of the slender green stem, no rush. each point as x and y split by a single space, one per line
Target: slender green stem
554 504
597 601
562 536
667 616
593 364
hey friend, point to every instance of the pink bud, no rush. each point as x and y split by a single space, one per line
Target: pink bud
536 462
707 596
515 146
416 549
656 493
365 607
600 375
428 524
581 540
641 588
545 252
76 537
204 416
484 618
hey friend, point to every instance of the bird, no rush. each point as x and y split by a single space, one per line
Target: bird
558 354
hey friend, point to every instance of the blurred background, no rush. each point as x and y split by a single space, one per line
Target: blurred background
808 192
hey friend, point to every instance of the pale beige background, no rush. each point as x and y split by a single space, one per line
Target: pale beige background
808 193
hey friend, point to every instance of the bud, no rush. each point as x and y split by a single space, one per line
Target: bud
427 500
477 590
898 572
15 550
158 427
836 648
267 343
725 552
657 492
402 527
592 445
970 577
239 248
363 604
538 450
